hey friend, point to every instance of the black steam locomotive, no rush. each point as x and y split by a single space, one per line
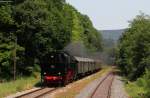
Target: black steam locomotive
61 67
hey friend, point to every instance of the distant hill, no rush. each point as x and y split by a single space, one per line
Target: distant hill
112 34
110 41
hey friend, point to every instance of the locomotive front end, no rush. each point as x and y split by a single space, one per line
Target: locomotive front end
54 68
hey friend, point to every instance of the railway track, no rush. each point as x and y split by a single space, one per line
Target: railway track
103 90
39 93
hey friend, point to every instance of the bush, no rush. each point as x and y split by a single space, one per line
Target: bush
141 87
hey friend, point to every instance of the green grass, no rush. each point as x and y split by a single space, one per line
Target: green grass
134 90
8 88
141 87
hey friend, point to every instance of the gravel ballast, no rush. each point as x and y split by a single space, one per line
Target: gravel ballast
89 89
117 89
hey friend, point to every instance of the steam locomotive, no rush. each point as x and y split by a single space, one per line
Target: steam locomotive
61 67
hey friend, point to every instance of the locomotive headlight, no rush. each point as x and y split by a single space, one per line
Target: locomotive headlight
44 73
59 73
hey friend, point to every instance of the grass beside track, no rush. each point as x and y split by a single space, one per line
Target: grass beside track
73 89
21 84
141 87
134 90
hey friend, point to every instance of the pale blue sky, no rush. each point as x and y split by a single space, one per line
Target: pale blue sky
111 14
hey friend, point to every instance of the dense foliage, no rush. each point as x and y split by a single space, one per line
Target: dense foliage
134 49
141 87
38 27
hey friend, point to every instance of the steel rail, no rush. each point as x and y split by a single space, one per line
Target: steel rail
102 81
109 91
45 93
29 93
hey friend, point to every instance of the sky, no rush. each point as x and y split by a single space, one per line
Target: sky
111 14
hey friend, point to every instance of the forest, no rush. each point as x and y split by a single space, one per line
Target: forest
31 28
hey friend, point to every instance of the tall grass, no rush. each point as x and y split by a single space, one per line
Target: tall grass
141 87
25 83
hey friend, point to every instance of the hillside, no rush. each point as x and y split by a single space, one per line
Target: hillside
112 34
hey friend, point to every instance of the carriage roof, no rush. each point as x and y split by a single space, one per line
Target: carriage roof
81 59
